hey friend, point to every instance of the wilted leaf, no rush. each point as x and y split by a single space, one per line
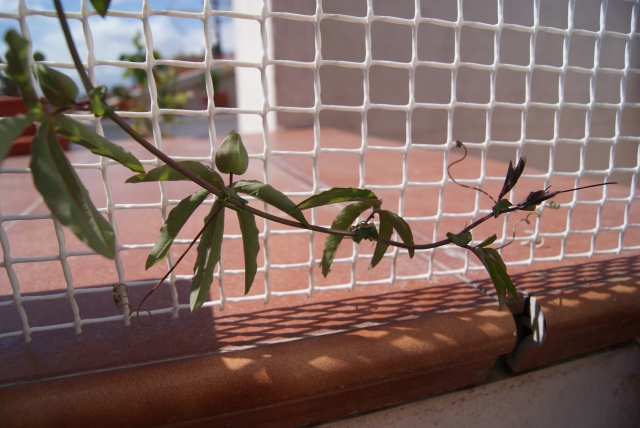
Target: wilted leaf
343 220
340 194
268 194
82 135
251 246
502 204
101 6
401 226
98 107
460 240
56 86
386 230
166 173
513 174
18 69
209 251
65 195
175 221
490 240
10 129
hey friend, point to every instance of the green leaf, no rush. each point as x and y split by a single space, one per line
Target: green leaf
166 173
401 226
56 86
251 245
490 240
460 240
101 6
233 195
268 194
209 251
10 129
343 221
502 204
175 221
513 174
65 195
385 232
497 270
98 107
82 135
368 232
340 194
18 69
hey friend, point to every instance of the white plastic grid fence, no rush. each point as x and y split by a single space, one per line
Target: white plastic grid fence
265 13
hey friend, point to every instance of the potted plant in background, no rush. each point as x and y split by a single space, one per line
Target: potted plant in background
11 104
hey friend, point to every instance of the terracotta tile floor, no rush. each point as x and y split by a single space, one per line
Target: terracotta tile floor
245 323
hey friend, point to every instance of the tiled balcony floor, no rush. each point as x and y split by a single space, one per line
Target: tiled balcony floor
240 324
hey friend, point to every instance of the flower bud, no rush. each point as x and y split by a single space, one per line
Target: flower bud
232 157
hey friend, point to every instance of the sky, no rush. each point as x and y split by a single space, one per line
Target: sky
113 36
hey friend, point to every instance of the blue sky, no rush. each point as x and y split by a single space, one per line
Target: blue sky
113 36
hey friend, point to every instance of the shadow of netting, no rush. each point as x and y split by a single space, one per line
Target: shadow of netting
544 280
110 344
333 316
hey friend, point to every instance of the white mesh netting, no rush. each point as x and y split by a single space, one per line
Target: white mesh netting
604 148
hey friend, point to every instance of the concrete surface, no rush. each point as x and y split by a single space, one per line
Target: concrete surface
601 390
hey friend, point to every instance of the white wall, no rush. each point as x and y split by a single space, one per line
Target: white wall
249 89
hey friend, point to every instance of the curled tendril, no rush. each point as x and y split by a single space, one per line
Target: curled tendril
137 312
461 144
118 300
526 220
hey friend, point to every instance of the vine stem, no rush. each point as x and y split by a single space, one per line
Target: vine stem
175 265
218 192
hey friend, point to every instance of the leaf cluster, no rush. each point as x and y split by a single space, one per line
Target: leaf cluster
53 175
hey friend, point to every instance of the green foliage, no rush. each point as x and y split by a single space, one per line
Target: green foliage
98 107
273 197
166 80
460 240
337 195
492 261
101 6
69 201
251 247
343 221
490 240
19 71
502 204
65 195
401 226
81 135
209 252
365 231
232 156
175 221
10 129
167 173
231 194
385 232
56 86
